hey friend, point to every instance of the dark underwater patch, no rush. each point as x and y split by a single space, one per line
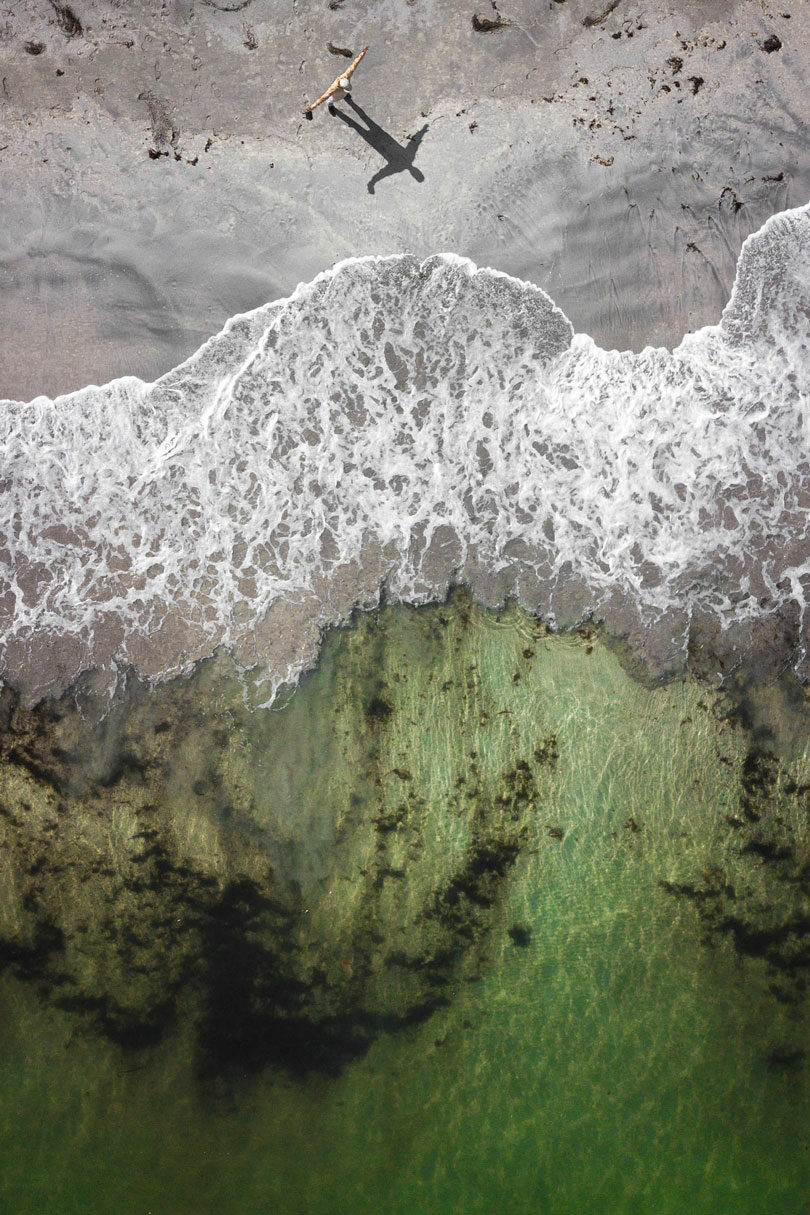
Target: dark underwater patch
758 893
164 947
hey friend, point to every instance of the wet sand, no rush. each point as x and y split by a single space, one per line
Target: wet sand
159 175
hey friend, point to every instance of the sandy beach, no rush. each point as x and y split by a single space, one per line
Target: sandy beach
404 608
159 176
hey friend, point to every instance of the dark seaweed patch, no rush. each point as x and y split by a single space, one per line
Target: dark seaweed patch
129 1028
125 765
69 23
30 959
768 850
598 18
762 909
233 962
42 772
379 709
234 956
784 1059
487 25
547 751
758 775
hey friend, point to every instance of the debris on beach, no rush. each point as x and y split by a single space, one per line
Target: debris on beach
338 50
732 200
69 23
485 25
164 132
598 18
771 44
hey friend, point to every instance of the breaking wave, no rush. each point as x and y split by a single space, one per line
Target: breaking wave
402 425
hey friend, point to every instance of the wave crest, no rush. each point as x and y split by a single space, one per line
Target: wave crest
406 424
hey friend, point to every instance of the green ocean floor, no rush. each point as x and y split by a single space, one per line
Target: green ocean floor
475 923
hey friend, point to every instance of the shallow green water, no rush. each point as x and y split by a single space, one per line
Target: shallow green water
604 1037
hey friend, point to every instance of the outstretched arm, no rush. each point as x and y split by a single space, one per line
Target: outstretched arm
335 85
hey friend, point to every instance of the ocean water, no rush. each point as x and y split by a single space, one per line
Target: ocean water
404 775
395 427
490 925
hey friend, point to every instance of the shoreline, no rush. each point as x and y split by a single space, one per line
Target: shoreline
734 663
404 685
578 158
154 597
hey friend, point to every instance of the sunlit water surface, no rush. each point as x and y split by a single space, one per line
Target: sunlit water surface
603 1041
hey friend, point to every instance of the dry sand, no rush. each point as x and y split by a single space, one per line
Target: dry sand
158 174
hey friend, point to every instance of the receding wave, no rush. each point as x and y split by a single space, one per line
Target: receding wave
396 426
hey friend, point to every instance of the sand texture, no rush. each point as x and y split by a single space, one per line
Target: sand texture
159 176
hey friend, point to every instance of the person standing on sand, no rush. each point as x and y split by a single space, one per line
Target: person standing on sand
343 90
338 89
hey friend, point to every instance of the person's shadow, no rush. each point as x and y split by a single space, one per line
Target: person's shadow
399 158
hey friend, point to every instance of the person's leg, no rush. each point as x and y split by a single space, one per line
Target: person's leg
386 171
338 95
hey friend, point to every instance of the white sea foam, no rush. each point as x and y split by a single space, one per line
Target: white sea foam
403 424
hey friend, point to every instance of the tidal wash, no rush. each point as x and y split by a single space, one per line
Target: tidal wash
395 427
